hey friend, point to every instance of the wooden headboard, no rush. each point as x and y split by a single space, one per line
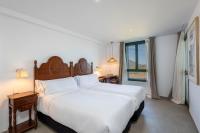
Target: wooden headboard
82 67
54 68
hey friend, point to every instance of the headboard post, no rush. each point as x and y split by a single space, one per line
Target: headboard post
91 67
71 69
34 74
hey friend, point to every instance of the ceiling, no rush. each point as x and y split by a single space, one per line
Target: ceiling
109 20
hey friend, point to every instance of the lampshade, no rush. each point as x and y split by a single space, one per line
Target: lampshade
112 60
21 73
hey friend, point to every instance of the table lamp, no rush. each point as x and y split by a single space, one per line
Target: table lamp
98 71
21 74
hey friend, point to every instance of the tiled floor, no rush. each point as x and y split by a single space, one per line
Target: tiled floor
162 116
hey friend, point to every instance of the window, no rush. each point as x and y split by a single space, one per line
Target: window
136 56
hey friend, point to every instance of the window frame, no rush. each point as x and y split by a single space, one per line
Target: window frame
136 44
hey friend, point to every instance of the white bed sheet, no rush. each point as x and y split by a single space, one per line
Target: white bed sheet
136 93
88 111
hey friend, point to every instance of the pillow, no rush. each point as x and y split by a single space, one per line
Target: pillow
40 86
56 86
60 85
87 81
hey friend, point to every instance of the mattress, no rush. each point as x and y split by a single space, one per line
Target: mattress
88 111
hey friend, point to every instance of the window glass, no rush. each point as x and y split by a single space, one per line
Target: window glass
137 75
142 57
136 56
132 58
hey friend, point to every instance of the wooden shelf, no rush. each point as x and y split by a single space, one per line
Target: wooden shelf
22 127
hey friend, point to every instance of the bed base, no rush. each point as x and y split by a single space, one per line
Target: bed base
59 128
137 113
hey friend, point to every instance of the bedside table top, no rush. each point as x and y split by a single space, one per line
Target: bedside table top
20 95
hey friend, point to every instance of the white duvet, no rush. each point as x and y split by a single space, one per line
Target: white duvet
136 93
88 111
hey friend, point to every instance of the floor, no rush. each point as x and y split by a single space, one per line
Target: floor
162 116
159 116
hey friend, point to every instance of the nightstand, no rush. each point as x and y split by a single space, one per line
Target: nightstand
109 79
22 102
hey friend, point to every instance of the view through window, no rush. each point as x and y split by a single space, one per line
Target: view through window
136 56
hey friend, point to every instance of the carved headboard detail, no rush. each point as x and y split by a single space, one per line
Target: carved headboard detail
55 68
82 67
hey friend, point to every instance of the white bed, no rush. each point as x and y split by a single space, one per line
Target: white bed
87 111
62 103
136 93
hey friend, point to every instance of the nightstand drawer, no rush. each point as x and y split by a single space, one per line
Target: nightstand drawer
24 101
25 107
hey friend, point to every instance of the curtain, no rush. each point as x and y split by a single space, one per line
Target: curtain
170 94
121 61
148 91
152 82
178 89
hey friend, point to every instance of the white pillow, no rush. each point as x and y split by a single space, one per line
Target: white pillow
57 85
87 81
60 85
40 86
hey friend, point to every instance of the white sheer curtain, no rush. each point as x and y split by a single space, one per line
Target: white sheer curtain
124 69
148 91
178 90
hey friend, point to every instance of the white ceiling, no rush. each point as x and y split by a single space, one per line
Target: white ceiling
108 20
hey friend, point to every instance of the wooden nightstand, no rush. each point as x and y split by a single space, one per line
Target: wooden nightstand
22 102
109 79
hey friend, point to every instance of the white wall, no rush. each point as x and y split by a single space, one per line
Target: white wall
165 58
194 90
194 105
165 62
21 42
111 68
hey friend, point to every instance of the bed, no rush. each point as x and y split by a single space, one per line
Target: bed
83 71
78 110
136 93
